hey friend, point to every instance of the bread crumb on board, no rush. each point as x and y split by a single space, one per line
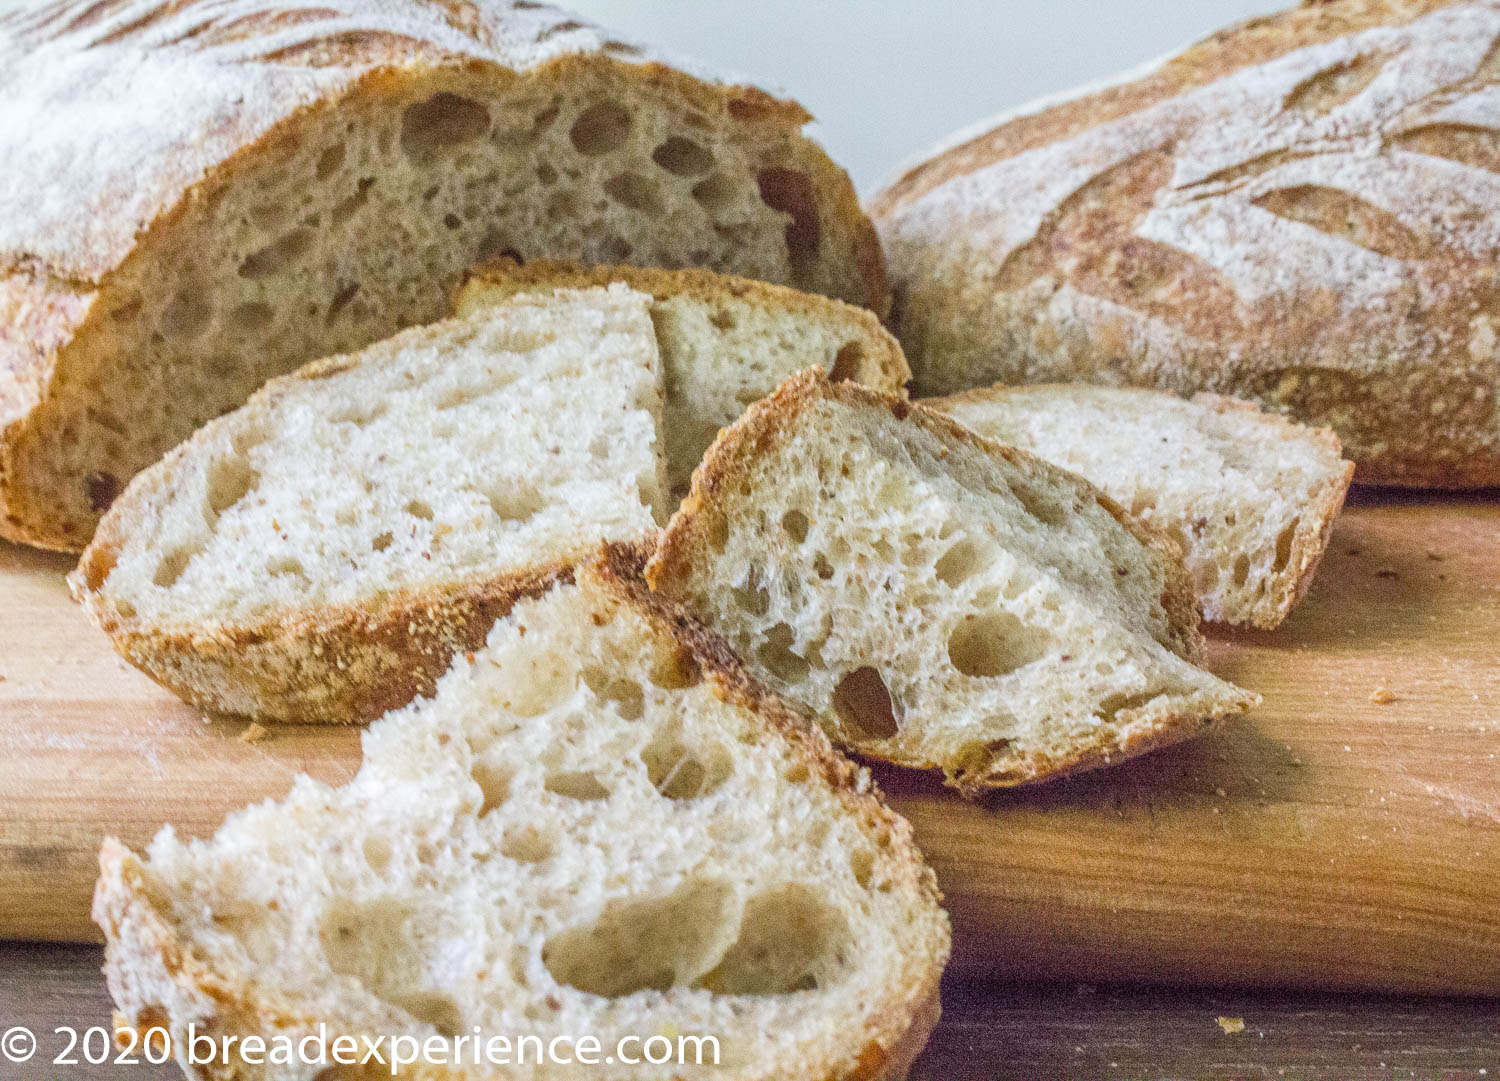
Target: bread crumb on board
1231 1025
254 733
1382 696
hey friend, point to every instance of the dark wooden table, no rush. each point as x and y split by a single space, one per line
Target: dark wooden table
990 1033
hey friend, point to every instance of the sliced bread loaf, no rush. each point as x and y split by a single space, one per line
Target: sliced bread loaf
725 341
1250 496
597 827
326 177
322 552
934 598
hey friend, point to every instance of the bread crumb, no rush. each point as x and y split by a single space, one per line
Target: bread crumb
1232 1025
254 733
1382 696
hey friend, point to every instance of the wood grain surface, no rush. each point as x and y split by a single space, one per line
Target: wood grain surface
1327 840
988 1033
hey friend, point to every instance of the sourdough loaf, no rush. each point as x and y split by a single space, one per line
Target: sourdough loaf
201 194
322 552
1302 210
725 341
1250 497
597 827
934 598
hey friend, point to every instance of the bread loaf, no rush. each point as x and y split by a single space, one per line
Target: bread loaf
202 194
1302 210
725 341
597 828
322 552
933 598
1249 497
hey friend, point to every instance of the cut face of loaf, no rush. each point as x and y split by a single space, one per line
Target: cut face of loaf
1250 497
330 176
725 342
321 553
933 598
1301 210
597 827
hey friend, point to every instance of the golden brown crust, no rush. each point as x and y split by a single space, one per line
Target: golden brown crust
158 977
686 537
1244 219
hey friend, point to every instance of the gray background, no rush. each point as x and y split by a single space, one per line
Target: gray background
889 78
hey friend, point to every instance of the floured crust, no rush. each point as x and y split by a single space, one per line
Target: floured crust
158 980
883 368
1315 520
687 542
1298 210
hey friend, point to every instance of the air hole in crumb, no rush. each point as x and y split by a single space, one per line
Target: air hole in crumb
795 523
864 705
753 599
417 509
646 944
378 852
440 123
185 317
821 567
330 160
600 129
682 157
1113 704
451 221
1039 504
378 944
1284 546
718 533
276 256
846 362
627 695
676 671
229 481
382 542
1241 570
494 781
350 206
103 489
993 644
790 939
967 558
679 772
286 565
527 844
634 191
577 784
862 864
775 652
341 301
722 320
715 193
514 501
792 193
172 566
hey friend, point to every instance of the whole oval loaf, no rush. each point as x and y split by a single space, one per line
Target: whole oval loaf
199 195
1303 210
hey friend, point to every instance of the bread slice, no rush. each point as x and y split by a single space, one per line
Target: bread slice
934 598
297 181
1299 210
725 341
597 827
321 553
1249 496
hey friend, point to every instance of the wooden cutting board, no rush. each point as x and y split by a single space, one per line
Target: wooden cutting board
1325 840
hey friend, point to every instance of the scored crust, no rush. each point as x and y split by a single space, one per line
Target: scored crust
687 542
158 979
1267 214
